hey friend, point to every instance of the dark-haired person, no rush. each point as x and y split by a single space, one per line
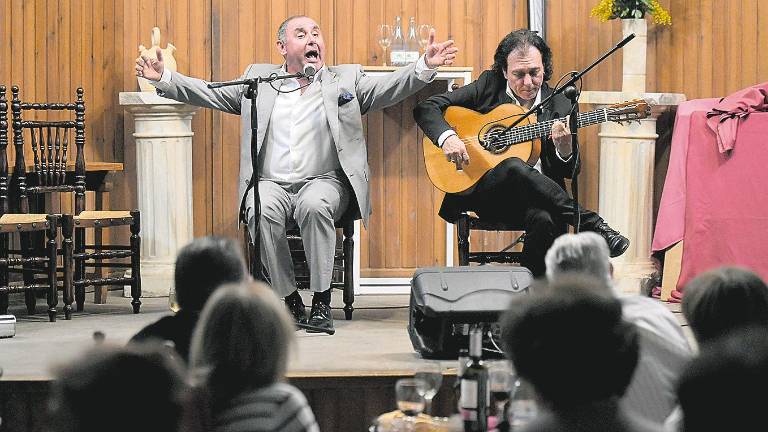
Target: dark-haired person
726 386
313 161
93 392
569 341
201 267
513 191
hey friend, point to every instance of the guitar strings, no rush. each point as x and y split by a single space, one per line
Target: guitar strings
533 131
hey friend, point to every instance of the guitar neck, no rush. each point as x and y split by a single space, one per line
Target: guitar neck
543 129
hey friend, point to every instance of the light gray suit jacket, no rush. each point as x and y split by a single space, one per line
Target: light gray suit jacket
368 94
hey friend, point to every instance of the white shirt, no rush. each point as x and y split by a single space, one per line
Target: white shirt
298 144
450 132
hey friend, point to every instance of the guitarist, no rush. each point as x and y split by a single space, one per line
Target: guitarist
514 192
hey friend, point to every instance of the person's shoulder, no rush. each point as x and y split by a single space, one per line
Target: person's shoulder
256 69
160 329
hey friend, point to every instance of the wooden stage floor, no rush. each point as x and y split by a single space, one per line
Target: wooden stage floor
348 377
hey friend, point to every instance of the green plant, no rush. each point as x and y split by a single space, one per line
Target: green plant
622 9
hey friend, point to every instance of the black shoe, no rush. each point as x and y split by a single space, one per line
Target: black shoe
297 309
321 317
617 243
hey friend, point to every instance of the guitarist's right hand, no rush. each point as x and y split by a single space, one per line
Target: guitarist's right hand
456 151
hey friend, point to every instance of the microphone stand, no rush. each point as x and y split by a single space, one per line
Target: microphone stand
574 97
252 93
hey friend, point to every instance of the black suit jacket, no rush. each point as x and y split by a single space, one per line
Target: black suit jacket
483 95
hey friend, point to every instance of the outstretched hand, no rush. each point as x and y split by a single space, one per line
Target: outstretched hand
439 53
149 68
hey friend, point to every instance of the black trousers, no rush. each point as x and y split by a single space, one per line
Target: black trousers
515 193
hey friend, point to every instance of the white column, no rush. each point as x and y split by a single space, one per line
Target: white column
163 133
626 182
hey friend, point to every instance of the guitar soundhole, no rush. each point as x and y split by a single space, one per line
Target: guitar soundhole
492 139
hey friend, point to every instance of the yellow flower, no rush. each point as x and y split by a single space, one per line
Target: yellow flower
603 11
660 15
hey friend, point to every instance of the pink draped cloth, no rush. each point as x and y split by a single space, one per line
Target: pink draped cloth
725 117
716 202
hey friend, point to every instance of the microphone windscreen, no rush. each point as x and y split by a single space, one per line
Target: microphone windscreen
309 70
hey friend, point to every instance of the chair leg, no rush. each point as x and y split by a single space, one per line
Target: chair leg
79 264
135 261
462 232
53 294
28 276
67 227
349 283
4 273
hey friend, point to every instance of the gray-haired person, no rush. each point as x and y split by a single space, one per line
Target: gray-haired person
664 350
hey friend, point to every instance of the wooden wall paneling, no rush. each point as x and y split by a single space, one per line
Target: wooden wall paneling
391 204
410 203
762 43
705 49
747 45
5 42
374 258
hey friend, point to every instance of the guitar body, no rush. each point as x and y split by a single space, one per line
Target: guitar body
474 128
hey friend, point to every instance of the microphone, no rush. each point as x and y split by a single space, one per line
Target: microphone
571 92
309 71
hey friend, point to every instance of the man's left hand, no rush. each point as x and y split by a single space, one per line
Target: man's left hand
561 135
439 54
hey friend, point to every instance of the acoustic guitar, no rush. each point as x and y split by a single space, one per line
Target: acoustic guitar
490 141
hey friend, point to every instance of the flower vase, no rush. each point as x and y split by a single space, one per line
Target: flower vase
634 55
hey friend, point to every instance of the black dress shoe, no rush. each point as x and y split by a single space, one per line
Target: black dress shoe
617 243
297 309
321 317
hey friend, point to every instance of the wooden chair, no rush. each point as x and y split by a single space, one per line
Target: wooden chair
343 262
26 225
50 141
467 222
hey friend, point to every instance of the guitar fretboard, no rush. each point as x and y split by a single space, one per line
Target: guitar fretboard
538 130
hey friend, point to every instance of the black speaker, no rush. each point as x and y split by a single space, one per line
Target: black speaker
445 300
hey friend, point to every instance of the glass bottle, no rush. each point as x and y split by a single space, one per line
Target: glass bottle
474 386
397 52
411 44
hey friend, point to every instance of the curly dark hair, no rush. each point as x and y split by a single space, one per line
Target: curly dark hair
520 39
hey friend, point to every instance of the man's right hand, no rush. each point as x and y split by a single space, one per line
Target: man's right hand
456 151
149 68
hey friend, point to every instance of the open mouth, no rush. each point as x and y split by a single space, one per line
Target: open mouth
312 55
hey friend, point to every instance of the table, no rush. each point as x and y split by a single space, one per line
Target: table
714 202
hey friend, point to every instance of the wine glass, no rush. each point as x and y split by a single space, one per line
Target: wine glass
424 30
501 378
410 400
385 40
432 375
522 405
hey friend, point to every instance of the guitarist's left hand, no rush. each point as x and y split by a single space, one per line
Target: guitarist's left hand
561 135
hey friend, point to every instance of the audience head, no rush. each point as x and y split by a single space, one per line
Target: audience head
585 252
139 387
726 386
721 300
241 340
202 266
569 341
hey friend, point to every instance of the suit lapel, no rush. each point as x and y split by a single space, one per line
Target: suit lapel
265 102
330 89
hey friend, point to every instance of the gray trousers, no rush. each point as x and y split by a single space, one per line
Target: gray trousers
313 205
